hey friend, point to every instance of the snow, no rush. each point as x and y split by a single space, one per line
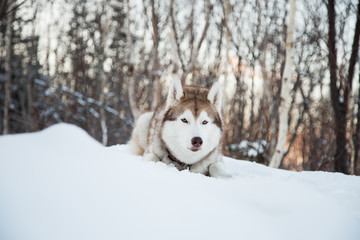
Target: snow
249 149
61 184
82 100
94 112
341 99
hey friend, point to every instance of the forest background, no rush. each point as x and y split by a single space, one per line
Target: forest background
99 64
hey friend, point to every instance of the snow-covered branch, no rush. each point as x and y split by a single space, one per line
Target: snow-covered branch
83 100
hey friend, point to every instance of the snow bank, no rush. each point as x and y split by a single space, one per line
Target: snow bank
61 184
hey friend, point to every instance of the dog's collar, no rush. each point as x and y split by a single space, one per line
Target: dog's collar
175 160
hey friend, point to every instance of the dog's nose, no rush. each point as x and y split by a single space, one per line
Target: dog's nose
196 141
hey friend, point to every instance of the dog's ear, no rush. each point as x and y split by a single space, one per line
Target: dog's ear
215 96
175 92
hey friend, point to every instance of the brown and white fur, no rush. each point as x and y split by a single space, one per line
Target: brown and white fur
186 130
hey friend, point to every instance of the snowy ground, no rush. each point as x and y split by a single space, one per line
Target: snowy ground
62 184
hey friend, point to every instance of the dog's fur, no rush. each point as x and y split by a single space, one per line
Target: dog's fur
191 116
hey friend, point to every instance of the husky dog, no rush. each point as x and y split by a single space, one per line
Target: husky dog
186 130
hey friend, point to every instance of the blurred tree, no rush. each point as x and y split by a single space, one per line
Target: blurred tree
285 97
9 68
99 64
340 88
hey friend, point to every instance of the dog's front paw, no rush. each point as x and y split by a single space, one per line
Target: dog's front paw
151 157
217 170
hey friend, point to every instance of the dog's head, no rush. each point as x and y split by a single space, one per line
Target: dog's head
192 123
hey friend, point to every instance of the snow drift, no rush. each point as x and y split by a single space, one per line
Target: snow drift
61 184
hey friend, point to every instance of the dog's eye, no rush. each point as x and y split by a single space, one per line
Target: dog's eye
204 122
184 120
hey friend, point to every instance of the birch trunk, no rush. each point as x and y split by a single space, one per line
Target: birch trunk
102 40
285 98
102 112
9 36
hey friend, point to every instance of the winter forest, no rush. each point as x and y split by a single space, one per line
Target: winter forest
289 71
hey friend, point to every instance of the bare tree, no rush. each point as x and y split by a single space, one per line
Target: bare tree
99 19
156 73
356 135
131 68
178 61
103 84
195 51
9 69
285 97
340 89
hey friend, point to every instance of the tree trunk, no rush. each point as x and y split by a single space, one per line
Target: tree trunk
340 103
29 84
131 71
155 75
353 60
31 114
9 35
178 62
356 137
227 8
195 52
102 40
285 98
102 110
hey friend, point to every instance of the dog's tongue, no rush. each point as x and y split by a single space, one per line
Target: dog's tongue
194 149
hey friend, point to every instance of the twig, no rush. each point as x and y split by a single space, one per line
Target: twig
12 9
